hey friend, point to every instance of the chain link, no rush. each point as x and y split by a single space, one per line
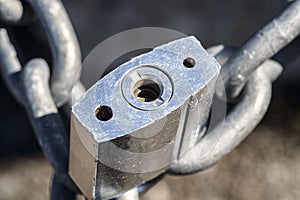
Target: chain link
260 47
11 11
29 84
238 123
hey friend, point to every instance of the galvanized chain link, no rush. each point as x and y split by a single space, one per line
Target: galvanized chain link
238 124
260 47
30 86
11 11
248 68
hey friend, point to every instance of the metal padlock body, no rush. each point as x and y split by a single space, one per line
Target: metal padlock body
131 125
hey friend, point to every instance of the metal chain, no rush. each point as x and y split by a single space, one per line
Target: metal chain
260 47
238 124
29 85
11 11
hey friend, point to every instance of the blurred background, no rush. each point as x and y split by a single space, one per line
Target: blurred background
265 166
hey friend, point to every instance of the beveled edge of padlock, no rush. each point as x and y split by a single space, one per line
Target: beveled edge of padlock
126 118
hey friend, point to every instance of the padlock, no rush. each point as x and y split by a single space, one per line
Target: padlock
133 123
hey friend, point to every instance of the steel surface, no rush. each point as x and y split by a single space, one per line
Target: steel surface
159 105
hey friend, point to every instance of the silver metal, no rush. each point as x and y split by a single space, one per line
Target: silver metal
132 194
239 123
263 45
36 82
10 65
141 75
138 141
31 89
64 46
11 11
141 139
77 92
44 117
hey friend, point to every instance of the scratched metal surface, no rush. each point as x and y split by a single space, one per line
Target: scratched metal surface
265 166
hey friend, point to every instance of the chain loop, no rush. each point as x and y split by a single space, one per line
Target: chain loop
11 11
260 47
64 46
45 119
10 66
29 85
238 124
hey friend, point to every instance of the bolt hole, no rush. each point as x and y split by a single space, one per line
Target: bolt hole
146 90
103 113
189 62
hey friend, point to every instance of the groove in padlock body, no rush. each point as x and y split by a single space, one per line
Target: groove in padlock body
133 123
